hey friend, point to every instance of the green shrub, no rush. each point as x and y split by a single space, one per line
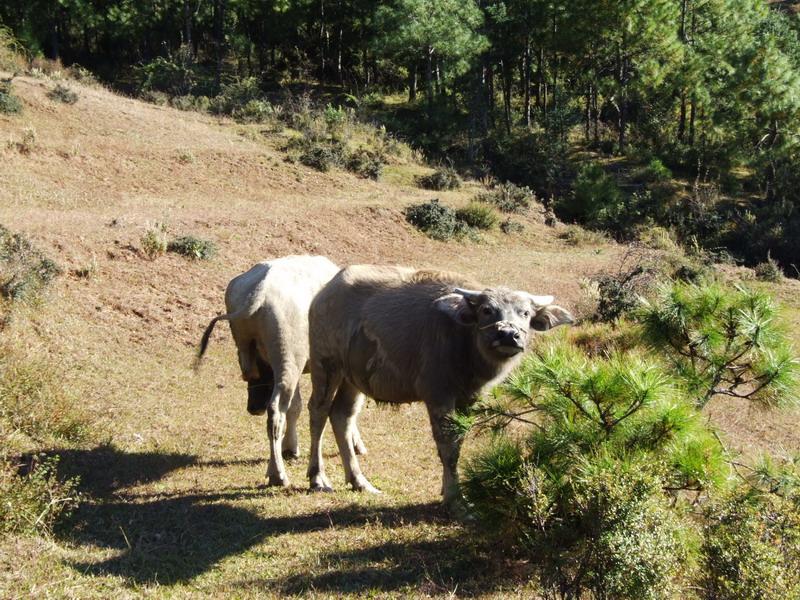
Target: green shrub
62 93
593 191
9 103
25 270
508 226
154 241
254 111
365 163
323 155
173 75
536 160
655 171
33 402
723 341
444 178
192 247
575 235
478 215
751 547
335 118
769 270
584 495
82 74
235 96
436 220
509 198
657 238
34 503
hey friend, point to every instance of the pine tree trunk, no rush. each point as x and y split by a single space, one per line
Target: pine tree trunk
219 41
339 70
588 114
506 95
526 82
429 79
412 82
187 25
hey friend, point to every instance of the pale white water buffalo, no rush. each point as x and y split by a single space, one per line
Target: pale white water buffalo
267 308
401 335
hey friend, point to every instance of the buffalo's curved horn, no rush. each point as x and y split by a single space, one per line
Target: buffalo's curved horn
471 295
541 301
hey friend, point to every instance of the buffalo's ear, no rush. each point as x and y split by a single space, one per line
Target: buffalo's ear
551 316
457 308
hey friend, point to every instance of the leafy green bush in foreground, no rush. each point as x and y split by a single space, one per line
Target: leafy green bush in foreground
598 491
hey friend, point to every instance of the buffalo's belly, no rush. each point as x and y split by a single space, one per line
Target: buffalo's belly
373 373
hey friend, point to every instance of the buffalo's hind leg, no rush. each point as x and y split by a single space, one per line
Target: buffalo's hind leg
259 390
291 444
287 380
345 409
325 380
358 443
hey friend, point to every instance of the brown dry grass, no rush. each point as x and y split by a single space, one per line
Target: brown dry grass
176 504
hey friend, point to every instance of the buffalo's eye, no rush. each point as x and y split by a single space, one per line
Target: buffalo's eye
487 310
526 314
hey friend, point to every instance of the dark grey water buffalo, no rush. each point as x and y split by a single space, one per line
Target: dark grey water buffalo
268 314
401 335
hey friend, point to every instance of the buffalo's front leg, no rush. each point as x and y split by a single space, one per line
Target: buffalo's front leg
448 445
324 383
346 406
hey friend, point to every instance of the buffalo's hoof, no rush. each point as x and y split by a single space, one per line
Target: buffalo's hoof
256 412
360 449
457 509
277 481
290 454
362 485
317 487
320 483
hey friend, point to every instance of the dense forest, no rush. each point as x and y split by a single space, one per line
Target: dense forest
707 90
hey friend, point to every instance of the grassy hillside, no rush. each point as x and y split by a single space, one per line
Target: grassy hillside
172 477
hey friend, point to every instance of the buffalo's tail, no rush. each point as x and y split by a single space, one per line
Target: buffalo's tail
207 336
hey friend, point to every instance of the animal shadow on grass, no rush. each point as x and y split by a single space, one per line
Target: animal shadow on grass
173 538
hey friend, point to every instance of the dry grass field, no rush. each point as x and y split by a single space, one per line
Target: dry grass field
173 474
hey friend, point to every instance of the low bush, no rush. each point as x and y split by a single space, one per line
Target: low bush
25 270
769 270
154 241
82 74
583 496
509 198
536 160
598 492
593 191
34 503
508 226
575 235
173 74
444 178
235 96
436 220
751 546
323 155
655 171
478 215
193 247
9 103
33 402
63 93
365 163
